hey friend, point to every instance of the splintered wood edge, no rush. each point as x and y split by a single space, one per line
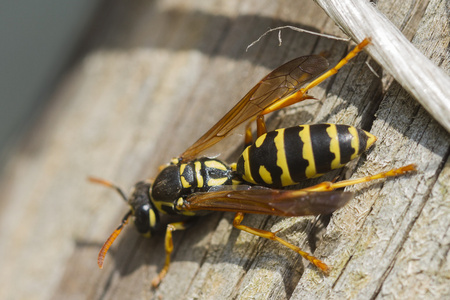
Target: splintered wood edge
426 82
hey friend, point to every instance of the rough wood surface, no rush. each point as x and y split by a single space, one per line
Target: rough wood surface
391 48
152 77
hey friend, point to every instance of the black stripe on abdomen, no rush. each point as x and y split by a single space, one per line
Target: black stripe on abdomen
294 153
345 143
265 155
321 140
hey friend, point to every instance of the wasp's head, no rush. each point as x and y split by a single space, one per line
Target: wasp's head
146 216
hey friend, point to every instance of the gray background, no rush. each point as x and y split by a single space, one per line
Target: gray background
38 39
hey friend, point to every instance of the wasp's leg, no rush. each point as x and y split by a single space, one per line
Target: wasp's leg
329 186
260 130
272 236
169 248
260 126
301 95
248 138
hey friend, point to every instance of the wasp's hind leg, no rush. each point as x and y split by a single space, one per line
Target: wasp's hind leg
260 130
301 94
272 236
321 187
329 186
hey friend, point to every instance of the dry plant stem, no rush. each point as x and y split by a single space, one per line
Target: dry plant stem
295 29
426 82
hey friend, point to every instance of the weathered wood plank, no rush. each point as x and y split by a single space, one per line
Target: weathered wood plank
425 81
152 77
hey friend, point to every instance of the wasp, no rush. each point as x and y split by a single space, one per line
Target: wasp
192 185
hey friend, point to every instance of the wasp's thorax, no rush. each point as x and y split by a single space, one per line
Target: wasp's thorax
180 180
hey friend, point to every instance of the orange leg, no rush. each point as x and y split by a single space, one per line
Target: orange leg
321 187
329 186
248 140
300 95
260 130
272 236
169 249
260 126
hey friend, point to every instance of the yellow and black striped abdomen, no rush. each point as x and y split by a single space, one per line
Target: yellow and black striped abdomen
289 155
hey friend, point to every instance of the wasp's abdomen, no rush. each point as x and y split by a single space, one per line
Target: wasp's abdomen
289 155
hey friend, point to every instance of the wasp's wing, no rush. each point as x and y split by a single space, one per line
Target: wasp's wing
268 201
280 83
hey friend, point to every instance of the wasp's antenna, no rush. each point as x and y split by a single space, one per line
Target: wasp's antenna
110 240
108 184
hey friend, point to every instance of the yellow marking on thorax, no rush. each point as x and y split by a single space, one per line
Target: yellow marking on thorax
159 205
265 175
307 152
334 146
182 167
184 182
217 181
285 177
355 141
215 165
247 176
198 175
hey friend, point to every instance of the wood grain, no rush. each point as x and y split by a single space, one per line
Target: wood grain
391 48
153 76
